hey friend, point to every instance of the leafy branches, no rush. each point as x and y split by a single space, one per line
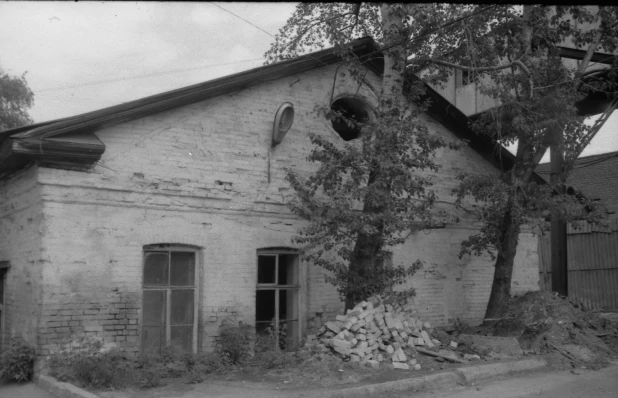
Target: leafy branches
373 190
15 100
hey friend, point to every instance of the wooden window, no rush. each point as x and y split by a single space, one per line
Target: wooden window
169 310
276 299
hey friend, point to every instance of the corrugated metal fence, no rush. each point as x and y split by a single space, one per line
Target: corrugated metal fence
592 255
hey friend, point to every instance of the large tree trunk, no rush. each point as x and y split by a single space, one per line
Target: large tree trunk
503 273
367 249
364 260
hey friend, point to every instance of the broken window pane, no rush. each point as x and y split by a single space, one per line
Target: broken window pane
156 268
182 337
182 272
181 311
266 269
288 274
154 307
287 304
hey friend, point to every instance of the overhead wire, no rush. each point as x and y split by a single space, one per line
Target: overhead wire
238 16
144 75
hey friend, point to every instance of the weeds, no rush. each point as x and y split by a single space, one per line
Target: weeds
17 361
235 343
88 364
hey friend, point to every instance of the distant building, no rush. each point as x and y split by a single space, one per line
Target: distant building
596 176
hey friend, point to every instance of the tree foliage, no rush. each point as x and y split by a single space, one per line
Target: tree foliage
15 100
512 53
364 197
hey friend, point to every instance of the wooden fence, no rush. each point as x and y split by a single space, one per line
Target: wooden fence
592 256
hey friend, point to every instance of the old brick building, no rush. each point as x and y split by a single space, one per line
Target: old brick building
148 222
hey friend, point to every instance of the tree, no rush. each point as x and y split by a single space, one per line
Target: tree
15 100
513 53
364 197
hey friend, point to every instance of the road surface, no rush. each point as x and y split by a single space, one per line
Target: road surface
23 390
579 383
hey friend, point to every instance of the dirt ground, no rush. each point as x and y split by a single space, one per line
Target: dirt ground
566 335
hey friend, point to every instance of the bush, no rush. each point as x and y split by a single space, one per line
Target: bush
235 341
17 361
86 363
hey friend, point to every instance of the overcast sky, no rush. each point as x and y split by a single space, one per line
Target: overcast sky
85 56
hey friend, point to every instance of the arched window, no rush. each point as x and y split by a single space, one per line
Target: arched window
169 310
350 114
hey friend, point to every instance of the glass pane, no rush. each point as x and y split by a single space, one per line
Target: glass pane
287 304
156 268
288 269
283 309
264 305
154 307
182 307
153 339
182 272
266 269
182 338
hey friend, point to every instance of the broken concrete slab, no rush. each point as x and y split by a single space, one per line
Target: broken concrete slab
427 339
496 347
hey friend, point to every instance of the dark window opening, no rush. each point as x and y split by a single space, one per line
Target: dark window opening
168 311
276 299
466 77
350 114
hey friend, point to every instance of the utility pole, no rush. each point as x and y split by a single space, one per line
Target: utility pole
559 270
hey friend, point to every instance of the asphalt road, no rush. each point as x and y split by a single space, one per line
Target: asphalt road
579 383
23 390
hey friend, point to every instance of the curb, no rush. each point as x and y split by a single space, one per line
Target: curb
473 373
445 379
61 389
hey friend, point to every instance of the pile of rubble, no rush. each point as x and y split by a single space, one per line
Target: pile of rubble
374 332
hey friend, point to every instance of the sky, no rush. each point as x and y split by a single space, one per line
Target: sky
79 57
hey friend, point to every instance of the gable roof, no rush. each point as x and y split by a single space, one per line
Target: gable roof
595 176
70 142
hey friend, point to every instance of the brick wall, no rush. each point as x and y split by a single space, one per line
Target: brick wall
21 226
199 175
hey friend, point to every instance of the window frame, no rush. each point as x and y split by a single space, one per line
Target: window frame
170 248
464 81
296 287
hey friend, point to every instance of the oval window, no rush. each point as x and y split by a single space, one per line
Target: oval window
283 121
350 114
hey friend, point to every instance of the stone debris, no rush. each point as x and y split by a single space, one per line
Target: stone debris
495 347
374 332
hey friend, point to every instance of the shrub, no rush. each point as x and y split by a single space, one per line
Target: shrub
17 360
235 341
86 363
